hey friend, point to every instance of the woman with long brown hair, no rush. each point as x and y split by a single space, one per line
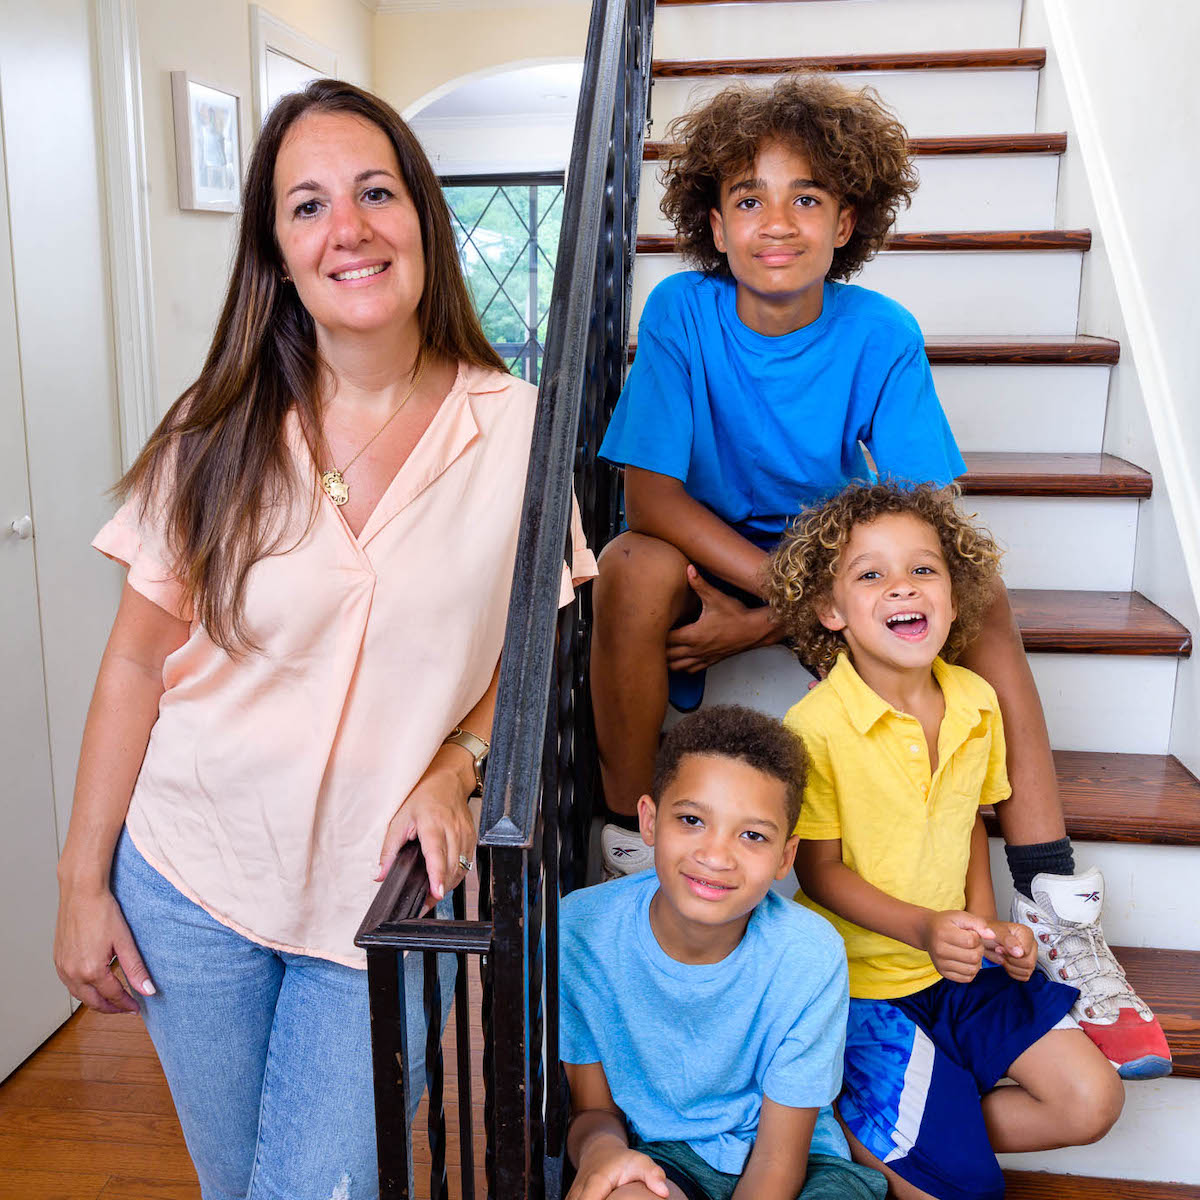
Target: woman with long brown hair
301 676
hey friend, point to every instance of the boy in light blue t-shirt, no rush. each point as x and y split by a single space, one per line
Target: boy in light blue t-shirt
702 1015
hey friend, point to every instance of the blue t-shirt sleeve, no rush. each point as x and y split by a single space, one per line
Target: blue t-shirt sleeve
575 1041
651 426
910 438
806 1070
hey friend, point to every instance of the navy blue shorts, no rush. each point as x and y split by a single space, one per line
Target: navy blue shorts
917 1066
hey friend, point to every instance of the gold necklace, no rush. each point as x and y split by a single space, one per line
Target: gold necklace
333 480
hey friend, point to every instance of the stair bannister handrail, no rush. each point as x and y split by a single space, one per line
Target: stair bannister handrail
541 775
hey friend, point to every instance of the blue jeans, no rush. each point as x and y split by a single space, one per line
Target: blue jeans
267 1054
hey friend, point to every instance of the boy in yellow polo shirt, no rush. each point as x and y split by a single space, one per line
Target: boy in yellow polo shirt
883 586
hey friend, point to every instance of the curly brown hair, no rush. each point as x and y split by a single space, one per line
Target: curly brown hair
733 731
802 570
857 148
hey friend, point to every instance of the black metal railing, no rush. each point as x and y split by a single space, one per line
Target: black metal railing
542 776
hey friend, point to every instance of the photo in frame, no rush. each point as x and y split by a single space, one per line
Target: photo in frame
208 145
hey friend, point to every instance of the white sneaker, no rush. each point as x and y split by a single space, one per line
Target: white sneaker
623 852
1064 916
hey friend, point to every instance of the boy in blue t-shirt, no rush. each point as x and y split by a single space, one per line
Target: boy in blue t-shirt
754 382
703 1016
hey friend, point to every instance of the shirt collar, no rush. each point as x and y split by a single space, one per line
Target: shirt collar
864 707
481 380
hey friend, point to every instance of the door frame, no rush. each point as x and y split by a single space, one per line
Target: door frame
126 185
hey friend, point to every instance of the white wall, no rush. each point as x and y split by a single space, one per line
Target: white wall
419 55
191 251
1119 78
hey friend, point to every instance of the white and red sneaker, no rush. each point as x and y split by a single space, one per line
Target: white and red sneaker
622 852
1064 916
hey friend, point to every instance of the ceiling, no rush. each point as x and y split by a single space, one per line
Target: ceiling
548 91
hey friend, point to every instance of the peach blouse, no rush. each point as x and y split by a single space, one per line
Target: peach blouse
269 780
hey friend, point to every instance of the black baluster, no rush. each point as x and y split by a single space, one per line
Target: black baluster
389 1036
462 1031
438 1187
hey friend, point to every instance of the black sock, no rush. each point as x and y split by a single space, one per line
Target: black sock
1040 858
629 822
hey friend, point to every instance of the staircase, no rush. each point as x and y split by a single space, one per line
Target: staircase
982 263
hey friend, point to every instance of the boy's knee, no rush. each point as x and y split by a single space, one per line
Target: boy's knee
1093 1106
637 564
639 1191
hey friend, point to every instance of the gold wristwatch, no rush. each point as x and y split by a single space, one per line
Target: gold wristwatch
476 747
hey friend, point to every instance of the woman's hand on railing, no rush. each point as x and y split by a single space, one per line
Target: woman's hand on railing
437 815
90 937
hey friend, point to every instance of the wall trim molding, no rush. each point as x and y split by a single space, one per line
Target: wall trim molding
268 32
1181 476
126 185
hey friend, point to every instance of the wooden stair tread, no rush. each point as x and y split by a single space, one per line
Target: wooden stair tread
1169 981
995 473
1043 1185
1046 348
1139 798
982 144
949 348
982 239
1069 622
1025 57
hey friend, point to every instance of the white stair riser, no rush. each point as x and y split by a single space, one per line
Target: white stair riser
1155 1138
1147 891
1002 191
996 191
1047 408
1000 294
1107 702
1092 701
1057 542
768 679
937 103
835 27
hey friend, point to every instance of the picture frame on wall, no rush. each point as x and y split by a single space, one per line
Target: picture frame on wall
208 145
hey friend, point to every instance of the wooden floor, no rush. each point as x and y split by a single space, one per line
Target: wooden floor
89 1117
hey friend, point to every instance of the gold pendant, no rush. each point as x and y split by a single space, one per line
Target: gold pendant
335 487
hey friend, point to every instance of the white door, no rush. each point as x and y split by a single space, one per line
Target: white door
34 1003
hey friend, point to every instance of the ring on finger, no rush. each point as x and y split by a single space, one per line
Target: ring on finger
467 864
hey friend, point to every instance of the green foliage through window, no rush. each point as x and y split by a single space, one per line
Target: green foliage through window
507 230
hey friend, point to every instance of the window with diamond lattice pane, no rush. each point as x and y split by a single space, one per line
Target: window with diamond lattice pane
507 231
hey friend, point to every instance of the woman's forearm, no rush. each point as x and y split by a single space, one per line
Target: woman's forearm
123 710
479 722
